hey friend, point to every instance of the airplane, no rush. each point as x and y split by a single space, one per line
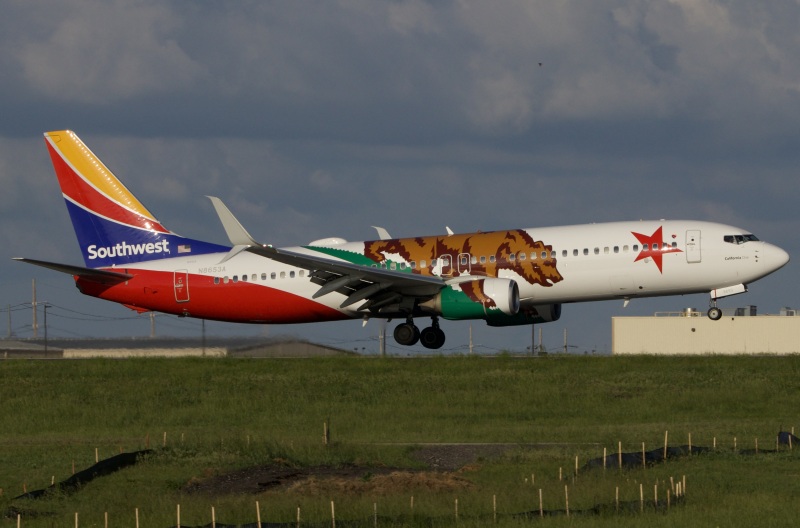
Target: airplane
506 277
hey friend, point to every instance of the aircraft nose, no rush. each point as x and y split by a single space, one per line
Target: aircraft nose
776 257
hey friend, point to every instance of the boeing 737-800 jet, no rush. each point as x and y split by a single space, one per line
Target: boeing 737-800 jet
508 277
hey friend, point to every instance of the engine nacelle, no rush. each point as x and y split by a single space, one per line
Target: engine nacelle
476 299
542 313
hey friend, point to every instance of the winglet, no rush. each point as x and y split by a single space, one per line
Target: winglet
237 234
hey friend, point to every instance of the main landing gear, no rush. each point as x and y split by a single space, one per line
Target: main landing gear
408 334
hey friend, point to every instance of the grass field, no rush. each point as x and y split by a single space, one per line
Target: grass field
223 414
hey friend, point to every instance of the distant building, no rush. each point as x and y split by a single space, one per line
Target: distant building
144 347
690 332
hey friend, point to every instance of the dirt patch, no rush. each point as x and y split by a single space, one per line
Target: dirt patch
446 463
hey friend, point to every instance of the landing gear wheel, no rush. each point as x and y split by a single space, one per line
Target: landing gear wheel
714 313
432 337
406 334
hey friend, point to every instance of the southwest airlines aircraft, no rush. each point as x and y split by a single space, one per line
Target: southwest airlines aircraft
508 277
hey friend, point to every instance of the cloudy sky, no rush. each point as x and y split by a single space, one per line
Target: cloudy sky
316 119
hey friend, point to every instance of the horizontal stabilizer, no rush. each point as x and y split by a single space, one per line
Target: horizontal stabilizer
94 275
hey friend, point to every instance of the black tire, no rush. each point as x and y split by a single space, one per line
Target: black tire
714 313
406 334
432 338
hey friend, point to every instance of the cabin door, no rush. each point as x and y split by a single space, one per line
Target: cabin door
181 281
693 246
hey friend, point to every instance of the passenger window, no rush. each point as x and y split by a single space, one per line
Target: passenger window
596 251
413 264
393 265
512 257
225 279
283 274
463 260
422 264
291 274
574 252
492 259
522 256
272 275
636 247
645 247
253 277
473 260
244 277
674 245
616 249
585 251
235 278
263 276
483 259
625 248
564 253
605 250
216 280
402 265
302 273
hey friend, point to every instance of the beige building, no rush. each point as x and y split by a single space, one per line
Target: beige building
691 332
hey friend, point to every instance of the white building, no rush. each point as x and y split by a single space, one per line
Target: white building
740 331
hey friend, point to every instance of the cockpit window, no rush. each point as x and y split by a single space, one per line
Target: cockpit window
739 239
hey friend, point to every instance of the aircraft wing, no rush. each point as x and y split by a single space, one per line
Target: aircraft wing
94 275
376 286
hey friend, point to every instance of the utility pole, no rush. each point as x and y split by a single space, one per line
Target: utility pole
470 339
565 340
382 340
33 304
152 325
533 341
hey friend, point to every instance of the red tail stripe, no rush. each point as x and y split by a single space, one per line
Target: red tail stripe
78 190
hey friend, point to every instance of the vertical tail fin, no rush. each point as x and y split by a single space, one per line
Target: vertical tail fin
112 226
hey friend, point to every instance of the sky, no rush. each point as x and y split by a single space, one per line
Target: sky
319 119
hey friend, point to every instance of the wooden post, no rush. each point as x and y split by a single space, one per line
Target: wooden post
147 441
374 515
641 498
178 514
566 499
333 516
655 494
19 520
164 441
605 453
690 443
298 517
213 518
96 456
616 500
456 509
258 514
666 435
619 450
715 443
576 465
644 459
667 500
683 486
326 431
412 504
560 474
137 517
76 519
105 520
734 444
494 508
541 510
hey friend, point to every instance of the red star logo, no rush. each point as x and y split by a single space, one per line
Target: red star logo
654 247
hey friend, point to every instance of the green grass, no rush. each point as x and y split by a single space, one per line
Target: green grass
223 414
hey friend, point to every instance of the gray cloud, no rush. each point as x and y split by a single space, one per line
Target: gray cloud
322 119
